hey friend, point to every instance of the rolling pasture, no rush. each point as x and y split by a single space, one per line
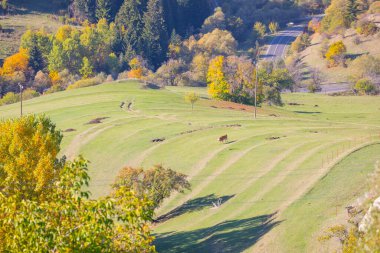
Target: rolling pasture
271 187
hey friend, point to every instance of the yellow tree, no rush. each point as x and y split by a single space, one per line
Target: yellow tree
192 98
43 206
335 53
28 150
218 86
136 68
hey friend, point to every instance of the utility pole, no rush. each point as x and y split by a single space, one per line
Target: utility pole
21 88
256 90
256 74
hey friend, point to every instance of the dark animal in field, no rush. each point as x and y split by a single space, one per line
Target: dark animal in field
158 140
223 138
69 130
129 106
122 104
97 120
273 138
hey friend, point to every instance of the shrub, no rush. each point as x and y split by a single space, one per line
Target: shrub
366 28
374 7
313 87
365 87
122 75
300 43
41 81
10 98
356 40
88 82
29 94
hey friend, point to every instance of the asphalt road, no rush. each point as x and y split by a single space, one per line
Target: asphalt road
279 44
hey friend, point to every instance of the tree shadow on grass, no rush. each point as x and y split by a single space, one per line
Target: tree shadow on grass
194 205
305 112
229 236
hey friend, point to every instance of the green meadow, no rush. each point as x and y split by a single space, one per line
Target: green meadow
273 186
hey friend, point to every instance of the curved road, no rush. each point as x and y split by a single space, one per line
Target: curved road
279 44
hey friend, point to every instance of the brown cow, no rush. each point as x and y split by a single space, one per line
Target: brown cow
223 138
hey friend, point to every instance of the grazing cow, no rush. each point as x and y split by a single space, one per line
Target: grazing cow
223 138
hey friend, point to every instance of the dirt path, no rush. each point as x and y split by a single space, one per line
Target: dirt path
301 189
83 138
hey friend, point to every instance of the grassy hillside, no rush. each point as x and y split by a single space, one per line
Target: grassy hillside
311 57
25 15
276 174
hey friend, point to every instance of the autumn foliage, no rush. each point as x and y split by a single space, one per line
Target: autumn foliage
335 53
43 207
16 62
218 86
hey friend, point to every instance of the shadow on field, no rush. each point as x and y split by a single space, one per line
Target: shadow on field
229 236
305 112
194 205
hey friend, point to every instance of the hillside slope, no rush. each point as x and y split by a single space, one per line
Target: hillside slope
245 192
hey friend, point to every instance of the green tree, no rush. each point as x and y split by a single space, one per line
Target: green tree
36 61
157 182
155 33
339 16
260 29
192 98
103 8
87 69
129 18
113 64
364 86
4 5
56 58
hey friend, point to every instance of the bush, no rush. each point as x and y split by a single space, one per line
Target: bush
374 7
356 40
313 87
301 43
365 87
366 28
100 78
10 98
29 94
122 75
41 81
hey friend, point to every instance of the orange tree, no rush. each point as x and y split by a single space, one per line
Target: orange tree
16 62
43 207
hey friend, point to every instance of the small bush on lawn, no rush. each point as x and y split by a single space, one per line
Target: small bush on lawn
88 82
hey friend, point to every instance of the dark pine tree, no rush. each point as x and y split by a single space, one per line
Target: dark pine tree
352 11
130 18
103 9
155 34
36 60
